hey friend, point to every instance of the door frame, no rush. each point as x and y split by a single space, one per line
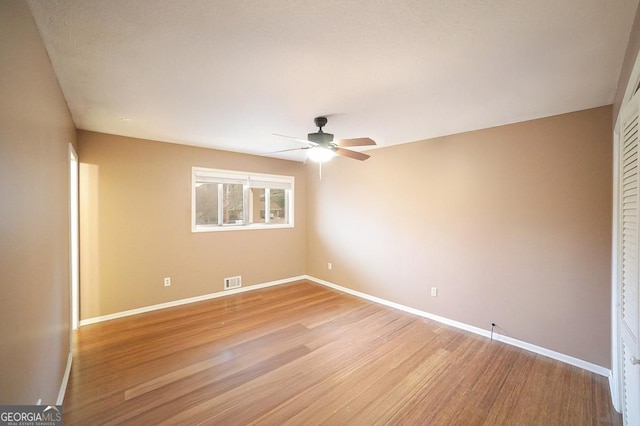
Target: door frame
74 240
615 380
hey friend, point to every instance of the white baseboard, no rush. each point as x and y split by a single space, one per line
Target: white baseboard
486 333
173 303
65 380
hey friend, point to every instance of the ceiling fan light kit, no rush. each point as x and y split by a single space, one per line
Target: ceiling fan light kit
320 154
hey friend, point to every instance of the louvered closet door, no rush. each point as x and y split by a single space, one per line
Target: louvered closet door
629 255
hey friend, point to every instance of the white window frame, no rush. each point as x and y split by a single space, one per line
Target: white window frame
249 180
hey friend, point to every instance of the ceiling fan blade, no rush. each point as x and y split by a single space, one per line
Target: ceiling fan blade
352 154
295 139
355 142
287 150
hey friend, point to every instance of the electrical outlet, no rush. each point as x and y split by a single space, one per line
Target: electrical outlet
434 292
329 266
167 281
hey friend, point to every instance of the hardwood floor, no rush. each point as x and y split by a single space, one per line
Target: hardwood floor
302 354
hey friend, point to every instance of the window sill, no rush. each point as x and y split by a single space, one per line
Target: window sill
252 227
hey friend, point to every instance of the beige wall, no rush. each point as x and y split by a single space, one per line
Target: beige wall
511 224
135 225
35 129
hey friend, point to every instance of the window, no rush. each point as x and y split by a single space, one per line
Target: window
225 200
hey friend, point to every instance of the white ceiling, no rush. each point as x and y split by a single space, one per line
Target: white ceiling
227 74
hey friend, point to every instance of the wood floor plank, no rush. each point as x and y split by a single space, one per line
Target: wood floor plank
213 361
343 386
297 376
304 354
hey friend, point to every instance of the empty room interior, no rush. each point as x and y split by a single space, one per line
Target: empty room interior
339 212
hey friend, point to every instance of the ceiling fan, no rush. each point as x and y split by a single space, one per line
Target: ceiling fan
321 147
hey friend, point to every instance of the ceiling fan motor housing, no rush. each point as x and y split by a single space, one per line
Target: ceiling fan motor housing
321 138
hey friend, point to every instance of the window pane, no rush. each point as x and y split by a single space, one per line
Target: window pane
207 204
278 206
257 202
233 204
